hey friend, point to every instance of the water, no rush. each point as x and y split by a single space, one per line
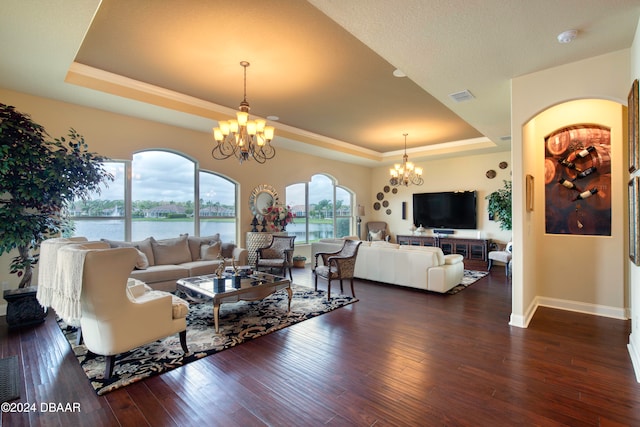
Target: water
114 229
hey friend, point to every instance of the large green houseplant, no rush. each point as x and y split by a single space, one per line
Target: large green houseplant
38 177
500 205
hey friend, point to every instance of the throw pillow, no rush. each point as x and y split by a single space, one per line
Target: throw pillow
210 252
196 242
171 251
142 245
375 235
142 262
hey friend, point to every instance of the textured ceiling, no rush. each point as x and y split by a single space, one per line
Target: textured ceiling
324 67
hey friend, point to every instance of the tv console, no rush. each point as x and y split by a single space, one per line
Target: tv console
474 250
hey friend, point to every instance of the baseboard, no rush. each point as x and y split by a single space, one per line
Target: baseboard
635 356
582 307
560 304
3 309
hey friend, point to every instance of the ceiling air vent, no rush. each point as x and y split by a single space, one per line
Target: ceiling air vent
462 96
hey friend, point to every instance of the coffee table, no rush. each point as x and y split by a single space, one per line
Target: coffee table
252 287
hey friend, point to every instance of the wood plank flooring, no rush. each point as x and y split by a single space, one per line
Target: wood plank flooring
397 357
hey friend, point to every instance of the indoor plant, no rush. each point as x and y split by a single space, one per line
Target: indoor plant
500 205
38 177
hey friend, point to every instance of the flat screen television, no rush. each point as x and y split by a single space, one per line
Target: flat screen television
449 209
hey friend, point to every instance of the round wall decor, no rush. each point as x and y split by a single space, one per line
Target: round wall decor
261 198
491 174
503 165
385 203
388 211
386 188
380 196
376 206
394 191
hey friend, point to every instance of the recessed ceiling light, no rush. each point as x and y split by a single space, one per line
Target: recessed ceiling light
273 118
399 73
567 36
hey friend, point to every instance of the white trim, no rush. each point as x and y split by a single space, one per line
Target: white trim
635 356
582 307
522 321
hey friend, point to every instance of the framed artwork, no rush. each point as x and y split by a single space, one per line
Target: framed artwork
529 187
632 117
634 244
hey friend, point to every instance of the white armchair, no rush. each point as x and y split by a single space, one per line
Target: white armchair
503 256
112 319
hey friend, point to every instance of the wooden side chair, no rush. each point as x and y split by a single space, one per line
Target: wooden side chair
337 265
278 255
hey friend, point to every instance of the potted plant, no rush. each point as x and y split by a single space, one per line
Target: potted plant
500 206
38 178
299 261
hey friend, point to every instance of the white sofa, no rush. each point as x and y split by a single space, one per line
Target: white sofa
422 267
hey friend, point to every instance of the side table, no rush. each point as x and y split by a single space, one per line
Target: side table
23 309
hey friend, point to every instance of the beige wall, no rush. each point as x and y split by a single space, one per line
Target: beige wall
118 137
461 173
575 272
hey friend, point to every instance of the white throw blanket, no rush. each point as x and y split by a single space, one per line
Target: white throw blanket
63 292
47 266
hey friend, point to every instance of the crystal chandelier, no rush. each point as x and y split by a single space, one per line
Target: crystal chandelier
243 138
405 174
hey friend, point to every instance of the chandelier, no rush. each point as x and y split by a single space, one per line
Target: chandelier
243 138
406 173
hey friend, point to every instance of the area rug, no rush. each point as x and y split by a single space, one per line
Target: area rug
9 379
470 277
239 322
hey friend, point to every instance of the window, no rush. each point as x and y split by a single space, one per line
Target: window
218 201
163 205
323 209
103 215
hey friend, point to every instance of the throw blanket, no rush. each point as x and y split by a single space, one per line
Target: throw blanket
63 292
47 266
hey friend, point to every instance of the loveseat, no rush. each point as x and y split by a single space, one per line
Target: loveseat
422 267
160 263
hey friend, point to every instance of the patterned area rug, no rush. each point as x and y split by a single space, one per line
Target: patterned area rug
239 322
470 277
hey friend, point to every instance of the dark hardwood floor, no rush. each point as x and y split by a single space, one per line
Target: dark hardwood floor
396 357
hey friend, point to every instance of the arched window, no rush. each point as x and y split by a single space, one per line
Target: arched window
323 209
165 198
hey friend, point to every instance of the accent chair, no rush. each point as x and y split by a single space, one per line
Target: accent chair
377 230
277 256
337 265
502 255
112 319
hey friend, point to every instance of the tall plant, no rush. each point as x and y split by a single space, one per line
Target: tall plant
500 205
38 178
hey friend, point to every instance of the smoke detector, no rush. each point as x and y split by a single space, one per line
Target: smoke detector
567 36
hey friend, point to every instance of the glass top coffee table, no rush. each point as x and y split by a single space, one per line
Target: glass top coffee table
249 287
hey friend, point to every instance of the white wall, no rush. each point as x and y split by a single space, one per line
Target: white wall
634 271
547 269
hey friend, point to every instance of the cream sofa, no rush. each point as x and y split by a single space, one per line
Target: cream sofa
161 263
422 267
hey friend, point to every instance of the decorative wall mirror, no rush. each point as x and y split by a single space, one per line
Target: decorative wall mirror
261 198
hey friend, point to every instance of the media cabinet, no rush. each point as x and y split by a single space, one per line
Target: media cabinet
474 251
